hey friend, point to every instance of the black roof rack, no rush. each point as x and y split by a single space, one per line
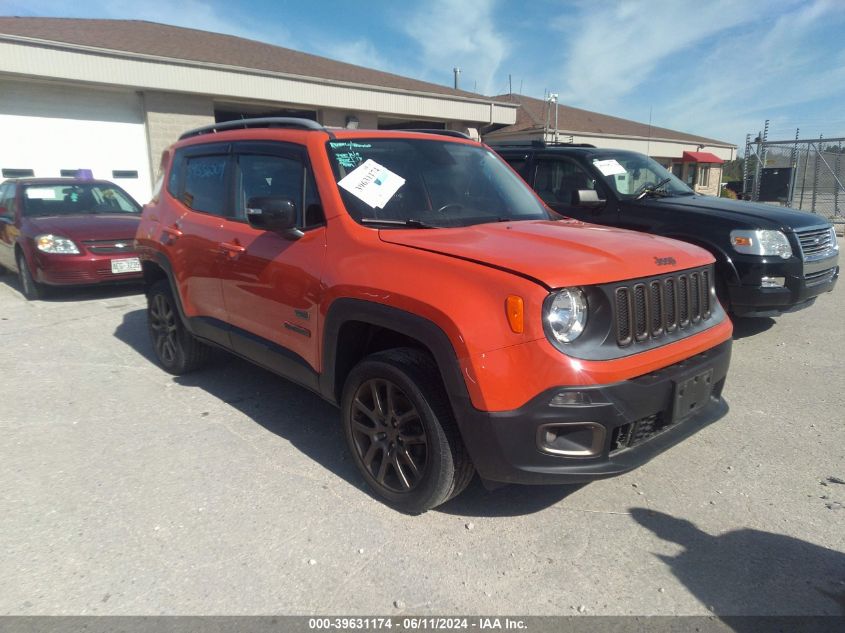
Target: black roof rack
536 143
267 122
453 133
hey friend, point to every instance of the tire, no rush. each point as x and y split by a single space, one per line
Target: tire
29 287
177 350
401 431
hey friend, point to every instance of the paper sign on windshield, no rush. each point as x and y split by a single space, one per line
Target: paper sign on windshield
40 194
609 167
373 183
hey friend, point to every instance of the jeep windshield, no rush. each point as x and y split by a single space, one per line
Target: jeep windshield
428 183
633 176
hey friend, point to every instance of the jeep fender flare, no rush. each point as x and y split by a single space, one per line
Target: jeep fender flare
426 332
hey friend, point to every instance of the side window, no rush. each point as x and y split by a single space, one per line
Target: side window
175 178
281 176
205 184
6 200
556 181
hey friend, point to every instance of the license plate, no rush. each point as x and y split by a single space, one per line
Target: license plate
128 265
692 394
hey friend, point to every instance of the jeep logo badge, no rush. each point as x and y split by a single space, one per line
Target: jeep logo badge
665 261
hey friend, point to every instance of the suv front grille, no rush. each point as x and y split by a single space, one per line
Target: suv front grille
815 241
637 432
647 309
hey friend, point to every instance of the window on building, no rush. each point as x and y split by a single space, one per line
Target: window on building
205 184
704 176
124 173
17 173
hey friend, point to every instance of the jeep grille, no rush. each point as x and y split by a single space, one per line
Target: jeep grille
646 309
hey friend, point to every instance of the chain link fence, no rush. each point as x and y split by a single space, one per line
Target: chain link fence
803 174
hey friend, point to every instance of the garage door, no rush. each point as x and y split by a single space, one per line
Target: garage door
51 130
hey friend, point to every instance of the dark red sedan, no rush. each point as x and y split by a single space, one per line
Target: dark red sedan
66 231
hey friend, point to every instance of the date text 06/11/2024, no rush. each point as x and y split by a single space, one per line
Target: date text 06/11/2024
415 623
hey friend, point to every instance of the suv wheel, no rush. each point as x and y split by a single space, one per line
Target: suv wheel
176 349
30 289
401 431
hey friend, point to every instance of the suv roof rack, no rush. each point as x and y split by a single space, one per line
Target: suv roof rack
536 143
454 133
268 122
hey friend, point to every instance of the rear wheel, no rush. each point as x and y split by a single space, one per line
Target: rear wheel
178 351
30 289
401 431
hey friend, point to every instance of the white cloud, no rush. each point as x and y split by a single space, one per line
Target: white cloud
457 33
614 47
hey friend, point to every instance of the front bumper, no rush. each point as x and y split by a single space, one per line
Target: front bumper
634 421
82 269
804 281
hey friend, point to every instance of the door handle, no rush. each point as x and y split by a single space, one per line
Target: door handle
232 251
172 232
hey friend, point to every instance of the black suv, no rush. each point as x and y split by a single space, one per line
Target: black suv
769 260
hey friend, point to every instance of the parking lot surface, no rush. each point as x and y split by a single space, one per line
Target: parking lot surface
125 490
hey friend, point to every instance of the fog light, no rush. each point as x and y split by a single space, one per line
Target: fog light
570 398
571 439
773 282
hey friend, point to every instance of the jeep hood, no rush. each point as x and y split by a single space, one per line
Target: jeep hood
751 214
556 253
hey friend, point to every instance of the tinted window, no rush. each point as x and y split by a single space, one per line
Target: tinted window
282 176
205 184
6 201
76 199
260 176
556 181
442 183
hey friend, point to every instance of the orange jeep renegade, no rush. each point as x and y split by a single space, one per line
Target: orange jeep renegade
414 280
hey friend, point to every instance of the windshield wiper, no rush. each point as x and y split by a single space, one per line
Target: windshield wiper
654 189
411 224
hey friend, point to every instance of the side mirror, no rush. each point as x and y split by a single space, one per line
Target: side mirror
273 213
587 198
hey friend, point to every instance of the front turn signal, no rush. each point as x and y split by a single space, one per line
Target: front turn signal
515 308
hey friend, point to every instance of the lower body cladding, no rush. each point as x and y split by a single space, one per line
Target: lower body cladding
579 434
777 287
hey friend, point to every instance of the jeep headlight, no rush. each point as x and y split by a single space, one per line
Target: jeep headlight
761 242
566 314
56 245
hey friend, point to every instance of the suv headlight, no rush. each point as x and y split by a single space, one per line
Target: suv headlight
834 244
761 242
566 314
56 245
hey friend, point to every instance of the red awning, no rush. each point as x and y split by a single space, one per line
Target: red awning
701 157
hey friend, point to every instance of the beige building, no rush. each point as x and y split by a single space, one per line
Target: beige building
694 159
110 95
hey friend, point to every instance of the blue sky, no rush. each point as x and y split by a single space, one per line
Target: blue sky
716 68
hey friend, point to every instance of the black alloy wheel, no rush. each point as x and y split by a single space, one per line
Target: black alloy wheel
388 435
176 349
401 430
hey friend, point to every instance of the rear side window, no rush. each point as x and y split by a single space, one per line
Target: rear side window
205 183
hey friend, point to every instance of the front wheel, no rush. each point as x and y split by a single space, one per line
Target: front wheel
29 287
176 349
401 431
